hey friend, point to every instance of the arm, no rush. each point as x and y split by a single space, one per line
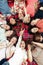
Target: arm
29 54
19 41
20 38
38 44
10 51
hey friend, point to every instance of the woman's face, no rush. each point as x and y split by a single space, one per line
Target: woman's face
9 33
34 22
13 40
5 26
22 45
34 30
12 21
20 14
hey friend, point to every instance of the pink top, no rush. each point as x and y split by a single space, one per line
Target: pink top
31 7
30 10
40 25
31 1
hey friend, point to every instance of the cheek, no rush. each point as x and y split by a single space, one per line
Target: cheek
15 40
24 45
10 34
20 45
32 30
36 30
8 27
11 21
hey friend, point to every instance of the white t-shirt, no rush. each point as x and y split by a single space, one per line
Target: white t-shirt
2 53
2 31
19 55
3 50
2 34
38 55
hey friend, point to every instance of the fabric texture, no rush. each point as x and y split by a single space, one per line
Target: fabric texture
4 8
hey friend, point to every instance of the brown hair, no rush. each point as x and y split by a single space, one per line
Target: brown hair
36 37
13 35
28 41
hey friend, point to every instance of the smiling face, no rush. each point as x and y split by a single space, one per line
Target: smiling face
12 21
9 33
13 40
34 30
22 45
34 22
5 26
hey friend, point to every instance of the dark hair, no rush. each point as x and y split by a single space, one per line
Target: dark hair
28 41
36 37
13 35
31 27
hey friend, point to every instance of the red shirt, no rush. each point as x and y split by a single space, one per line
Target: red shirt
10 3
20 25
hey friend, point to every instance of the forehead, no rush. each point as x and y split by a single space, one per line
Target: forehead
11 19
34 28
23 42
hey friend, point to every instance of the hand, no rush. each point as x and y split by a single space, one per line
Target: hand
26 19
24 62
20 14
29 46
12 10
12 21
21 32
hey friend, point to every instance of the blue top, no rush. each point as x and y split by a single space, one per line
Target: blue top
4 8
41 1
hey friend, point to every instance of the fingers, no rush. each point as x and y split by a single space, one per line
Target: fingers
22 31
